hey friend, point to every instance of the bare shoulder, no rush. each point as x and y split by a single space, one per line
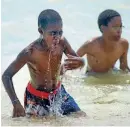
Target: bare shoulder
95 40
124 43
64 42
27 51
89 47
92 42
32 46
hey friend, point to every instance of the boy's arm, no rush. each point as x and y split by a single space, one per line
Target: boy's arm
84 49
13 68
123 58
73 61
67 48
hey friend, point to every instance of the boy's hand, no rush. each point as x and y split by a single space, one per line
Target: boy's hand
18 110
73 62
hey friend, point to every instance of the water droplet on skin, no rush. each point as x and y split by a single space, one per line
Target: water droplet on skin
56 100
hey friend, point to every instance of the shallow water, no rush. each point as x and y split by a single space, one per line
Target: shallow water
105 99
104 104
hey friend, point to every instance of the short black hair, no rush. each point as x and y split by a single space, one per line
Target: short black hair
105 17
48 16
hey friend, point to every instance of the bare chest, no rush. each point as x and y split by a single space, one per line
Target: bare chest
42 60
105 59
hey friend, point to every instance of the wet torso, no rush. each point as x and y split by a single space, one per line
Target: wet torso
103 60
44 67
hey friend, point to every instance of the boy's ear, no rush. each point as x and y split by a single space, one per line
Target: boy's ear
102 28
40 30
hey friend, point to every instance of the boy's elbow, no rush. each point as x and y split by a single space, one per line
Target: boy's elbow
79 54
5 77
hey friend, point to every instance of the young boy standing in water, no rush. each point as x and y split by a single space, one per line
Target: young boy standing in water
103 52
43 58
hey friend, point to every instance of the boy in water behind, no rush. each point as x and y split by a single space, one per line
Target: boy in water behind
43 58
103 52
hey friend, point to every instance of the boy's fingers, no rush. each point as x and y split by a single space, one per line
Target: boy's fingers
72 59
18 114
71 63
14 115
71 67
70 56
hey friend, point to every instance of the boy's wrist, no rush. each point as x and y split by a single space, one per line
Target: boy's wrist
15 101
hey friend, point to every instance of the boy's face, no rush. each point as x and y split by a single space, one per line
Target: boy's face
114 28
52 34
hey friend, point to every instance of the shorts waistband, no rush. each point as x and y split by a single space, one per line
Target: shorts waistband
41 94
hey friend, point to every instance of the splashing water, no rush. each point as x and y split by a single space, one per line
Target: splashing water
55 104
55 100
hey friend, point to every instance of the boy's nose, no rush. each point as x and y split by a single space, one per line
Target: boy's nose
57 36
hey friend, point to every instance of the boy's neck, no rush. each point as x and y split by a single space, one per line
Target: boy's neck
108 43
45 45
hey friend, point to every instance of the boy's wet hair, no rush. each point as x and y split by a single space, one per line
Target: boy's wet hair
105 17
48 16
